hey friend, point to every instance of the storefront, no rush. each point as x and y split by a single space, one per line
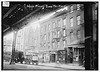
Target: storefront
44 56
76 54
53 56
62 56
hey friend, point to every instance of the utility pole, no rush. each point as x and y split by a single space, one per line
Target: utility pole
13 46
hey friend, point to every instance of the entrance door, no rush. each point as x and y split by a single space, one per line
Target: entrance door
81 56
52 57
71 54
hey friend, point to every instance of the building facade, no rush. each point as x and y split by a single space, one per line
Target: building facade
62 36
19 40
57 39
28 40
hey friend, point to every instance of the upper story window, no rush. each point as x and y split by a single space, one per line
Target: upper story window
48 47
53 34
78 34
44 45
78 6
78 20
58 23
64 34
48 36
64 21
64 43
71 8
49 26
54 24
71 22
58 44
58 34
41 30
53 45
71 35
45 37
45 27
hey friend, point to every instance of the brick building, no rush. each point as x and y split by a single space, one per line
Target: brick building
59 37
62 36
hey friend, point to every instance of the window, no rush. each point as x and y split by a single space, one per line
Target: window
41 30
71 35
64 21
48 47
78 20
44 45
64 33
45 36
53 45
64 44
54 25
58 44
71 9
78 6
71 22
45 27
49 26
48 36
53 34
78 34
58 34
58 23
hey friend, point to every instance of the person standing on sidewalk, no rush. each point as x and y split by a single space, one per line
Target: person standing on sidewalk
71 57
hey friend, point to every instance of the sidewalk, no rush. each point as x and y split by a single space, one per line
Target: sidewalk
67 66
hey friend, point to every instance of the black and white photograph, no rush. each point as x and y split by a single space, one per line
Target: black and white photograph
49 36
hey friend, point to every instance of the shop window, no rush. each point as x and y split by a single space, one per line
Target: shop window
78 20
71 22
78 6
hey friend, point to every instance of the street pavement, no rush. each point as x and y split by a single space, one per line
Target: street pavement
42 66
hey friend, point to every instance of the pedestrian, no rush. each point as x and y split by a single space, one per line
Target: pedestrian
76 58
71 57
83 61
80 59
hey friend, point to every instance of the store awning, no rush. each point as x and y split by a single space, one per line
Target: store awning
76 45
